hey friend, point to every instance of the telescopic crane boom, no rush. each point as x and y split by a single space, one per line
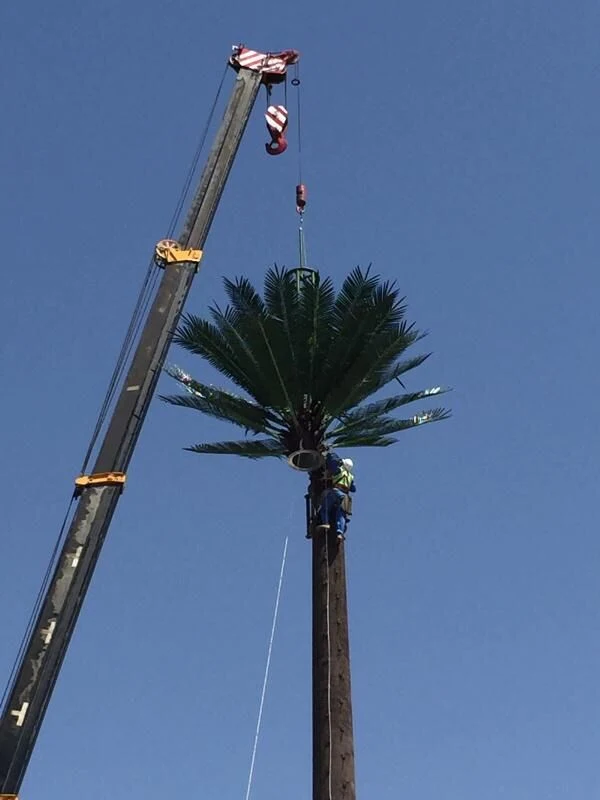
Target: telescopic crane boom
98 493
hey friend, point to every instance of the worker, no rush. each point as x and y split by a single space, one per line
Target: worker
336 503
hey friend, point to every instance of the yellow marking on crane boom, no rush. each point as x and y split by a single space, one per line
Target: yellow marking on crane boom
99 479
168 251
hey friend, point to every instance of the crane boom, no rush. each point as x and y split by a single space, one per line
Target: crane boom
99 492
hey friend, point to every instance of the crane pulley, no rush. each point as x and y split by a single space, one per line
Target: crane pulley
273 65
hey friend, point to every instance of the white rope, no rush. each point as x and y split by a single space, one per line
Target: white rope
266 678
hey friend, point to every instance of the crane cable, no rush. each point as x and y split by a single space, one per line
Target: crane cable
267 668
300 188
149 285
194 165
297 83
143 301
34 612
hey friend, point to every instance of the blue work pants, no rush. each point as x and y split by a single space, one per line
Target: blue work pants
331 509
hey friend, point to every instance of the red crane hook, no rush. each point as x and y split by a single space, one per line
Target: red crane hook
277 146
277 120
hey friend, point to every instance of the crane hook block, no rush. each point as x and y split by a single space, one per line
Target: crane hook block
272 66
277 121
300 198
9 797
168 251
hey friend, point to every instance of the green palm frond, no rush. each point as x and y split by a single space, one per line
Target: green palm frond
243 297
221 406
283 304
308 360
363 377
264 335
315 332
251 448
357 288
384 426
360 417
242 351
371 337
200 337
354 322
393 373
364 440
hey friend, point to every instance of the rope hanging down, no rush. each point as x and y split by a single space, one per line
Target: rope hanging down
267 668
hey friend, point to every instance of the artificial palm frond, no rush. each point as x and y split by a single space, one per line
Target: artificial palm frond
283 305
382 428
251 448
315 333
240 413
264 335
360 417
363 440
241 348
364 376
308 359
200 337
226 406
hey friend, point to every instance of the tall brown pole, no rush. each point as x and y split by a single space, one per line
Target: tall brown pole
333 737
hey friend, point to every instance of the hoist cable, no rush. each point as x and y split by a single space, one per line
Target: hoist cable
35 611
299 114
196 159
300 206
302 243
144 298
138 313
266 677
148 287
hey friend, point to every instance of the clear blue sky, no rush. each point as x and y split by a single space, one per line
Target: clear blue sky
455 146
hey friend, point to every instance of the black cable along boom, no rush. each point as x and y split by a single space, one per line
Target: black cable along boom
35 676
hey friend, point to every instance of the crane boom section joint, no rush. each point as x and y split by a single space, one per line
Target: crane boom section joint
98 479
169 251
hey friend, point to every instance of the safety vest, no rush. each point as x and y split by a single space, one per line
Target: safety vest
343 478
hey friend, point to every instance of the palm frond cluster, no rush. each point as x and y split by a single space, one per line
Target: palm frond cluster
305 362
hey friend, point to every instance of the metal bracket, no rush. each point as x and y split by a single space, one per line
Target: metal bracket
272 66
168 251
98 479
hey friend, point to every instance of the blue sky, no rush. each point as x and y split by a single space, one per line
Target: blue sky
455 147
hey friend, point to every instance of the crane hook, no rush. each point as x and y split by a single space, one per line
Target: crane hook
277 120
277 146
